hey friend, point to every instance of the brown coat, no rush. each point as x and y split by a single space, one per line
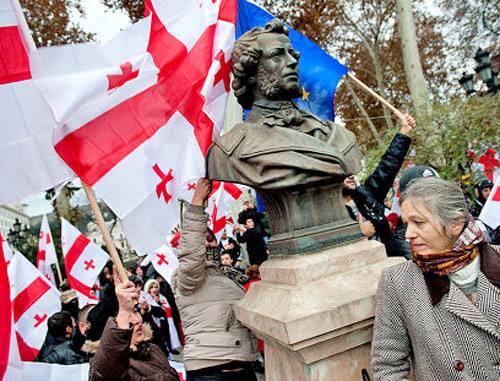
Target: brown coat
431 321
117 359
205 297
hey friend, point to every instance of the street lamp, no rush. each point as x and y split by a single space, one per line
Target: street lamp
467 82
16 235
483 69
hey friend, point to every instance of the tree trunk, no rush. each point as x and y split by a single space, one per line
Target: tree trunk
411 58
379 75
363 111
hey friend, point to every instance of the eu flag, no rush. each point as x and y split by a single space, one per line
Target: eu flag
319 72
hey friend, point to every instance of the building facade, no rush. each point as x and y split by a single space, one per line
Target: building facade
8 215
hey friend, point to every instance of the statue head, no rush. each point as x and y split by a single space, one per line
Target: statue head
265 65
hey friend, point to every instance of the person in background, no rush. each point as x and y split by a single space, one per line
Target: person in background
125 352
217 346
69 302
230 245
157 302
61 351
438 313
249 211
369 197
253 236
482 192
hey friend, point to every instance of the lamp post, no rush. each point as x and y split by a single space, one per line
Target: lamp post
17 235
483 69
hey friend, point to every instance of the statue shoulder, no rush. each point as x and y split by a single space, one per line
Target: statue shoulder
228 142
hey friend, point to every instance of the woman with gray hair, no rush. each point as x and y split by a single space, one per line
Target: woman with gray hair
439 312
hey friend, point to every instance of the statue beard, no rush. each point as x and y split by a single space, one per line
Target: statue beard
272 87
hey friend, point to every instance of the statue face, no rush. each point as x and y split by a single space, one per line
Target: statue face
278 72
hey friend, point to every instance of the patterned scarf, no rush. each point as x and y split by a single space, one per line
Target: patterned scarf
463 252
213 255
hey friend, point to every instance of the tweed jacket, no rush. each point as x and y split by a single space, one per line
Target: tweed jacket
433 323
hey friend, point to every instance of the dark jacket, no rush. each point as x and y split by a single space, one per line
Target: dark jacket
61 351
235 251
250 213
117 359
370 196
256 246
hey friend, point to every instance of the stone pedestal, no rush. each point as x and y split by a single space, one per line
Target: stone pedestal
315 311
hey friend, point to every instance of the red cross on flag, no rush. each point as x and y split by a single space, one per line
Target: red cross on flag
30 164
139 113
46 251
220 200
84 261
34 300
164 261
10 361
490 214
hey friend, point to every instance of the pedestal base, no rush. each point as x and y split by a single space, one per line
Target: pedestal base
315 311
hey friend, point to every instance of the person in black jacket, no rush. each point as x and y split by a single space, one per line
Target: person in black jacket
253 235
483 189
369 197
62 351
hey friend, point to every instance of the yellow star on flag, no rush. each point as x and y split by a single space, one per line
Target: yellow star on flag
305 94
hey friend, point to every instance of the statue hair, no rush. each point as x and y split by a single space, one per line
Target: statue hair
442 198
245 58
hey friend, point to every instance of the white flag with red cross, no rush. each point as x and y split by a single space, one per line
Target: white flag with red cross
34 300
29 161
164 261
139 113
46 251
490 214
84 261
10 360
220 200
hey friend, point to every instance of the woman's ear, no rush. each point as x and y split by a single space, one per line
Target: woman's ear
457 229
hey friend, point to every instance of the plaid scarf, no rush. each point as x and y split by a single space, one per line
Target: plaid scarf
213 255
463 252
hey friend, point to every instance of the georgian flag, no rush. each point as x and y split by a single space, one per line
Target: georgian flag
222 197
490 214
137 115
84 261
34 300
29 162
46 251
10 360
164 261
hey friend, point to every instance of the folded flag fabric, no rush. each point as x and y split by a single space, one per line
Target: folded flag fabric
29 162
10 360
319 72
46 256
490 214
34 300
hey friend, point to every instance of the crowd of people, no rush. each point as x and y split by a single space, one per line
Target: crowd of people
437 313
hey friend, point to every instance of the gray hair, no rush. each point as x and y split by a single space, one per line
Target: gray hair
442 198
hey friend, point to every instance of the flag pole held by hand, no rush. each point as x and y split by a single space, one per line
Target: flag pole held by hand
105 232
374 94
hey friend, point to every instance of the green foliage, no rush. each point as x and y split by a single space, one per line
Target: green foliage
443 139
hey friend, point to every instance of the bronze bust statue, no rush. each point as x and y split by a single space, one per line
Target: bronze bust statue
294 160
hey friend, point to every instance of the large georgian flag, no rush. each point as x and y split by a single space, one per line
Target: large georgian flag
137 115
490 214
46 251
29 162
84 261
34 300
10 361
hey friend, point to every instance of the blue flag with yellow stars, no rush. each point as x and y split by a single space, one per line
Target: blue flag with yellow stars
319 72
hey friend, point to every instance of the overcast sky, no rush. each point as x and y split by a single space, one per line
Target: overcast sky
106 24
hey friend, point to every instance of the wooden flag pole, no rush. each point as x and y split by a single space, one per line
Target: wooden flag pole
105 232
374 94
58 271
